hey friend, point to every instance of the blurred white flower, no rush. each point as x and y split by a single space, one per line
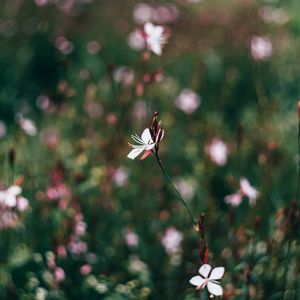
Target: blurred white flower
217 151
124 76
248 190
188 101
234 199
9 196
208 277
277 16
145 143
185 187
155 37
27 125
171 241
261 47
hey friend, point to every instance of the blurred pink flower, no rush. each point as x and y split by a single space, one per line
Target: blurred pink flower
9 196
163 14
245 190
61 251
188 101
77 247
2 129
171 240
93 47
248 190
59 274
22 203
234 199
139 110
124 76
8 219
142 13
64 45
136 40
261 47
85 269
58 191
131 238
120 176
93 109
217 151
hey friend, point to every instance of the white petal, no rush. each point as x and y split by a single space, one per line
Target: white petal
2 195
197 281
217 273
215 289
156 48
148 28
10 200
146 137
149 147
204 270
14 190
135 152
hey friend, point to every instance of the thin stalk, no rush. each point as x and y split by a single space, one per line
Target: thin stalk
175 190
298 165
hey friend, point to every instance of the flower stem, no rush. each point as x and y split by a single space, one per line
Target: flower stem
298 165
175 190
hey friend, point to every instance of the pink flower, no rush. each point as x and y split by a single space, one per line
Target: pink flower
172 240
248 190
124 75
217 151
22 203
8 197
261 47
188 101
234 199
61 251
131 238
142 13
85 269
120 176
59 274
27 125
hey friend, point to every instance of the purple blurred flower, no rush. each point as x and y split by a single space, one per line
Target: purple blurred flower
131 238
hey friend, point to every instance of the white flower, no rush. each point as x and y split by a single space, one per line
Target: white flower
208 277
217 151
145 143
155 37
234 199
9 196
188 101
248 190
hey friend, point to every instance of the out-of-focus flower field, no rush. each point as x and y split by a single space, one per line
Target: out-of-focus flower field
81 220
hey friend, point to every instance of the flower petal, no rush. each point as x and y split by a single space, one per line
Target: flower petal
135 152
217 273
146 137
14 190
214 288
197 281
204 270
148 152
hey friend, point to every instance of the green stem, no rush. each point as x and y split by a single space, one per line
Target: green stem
298 165
175 190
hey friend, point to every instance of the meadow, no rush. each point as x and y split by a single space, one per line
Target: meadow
149 150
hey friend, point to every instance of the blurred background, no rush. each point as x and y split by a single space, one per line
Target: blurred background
78 219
